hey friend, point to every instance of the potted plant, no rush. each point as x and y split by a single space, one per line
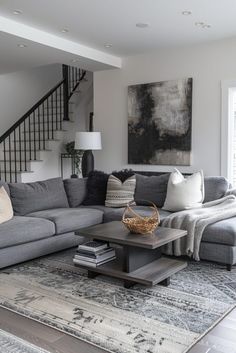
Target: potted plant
77 157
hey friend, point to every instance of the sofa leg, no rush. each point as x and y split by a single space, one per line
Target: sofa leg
229 267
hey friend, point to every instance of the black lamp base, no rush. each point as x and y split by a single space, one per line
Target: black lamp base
87 163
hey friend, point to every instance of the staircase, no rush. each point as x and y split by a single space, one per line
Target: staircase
23 146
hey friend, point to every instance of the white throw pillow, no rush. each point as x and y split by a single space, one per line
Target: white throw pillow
184 193
6 211
120 194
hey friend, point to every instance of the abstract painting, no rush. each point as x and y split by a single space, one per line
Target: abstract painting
160 122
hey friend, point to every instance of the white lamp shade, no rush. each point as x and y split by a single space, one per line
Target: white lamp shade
88 140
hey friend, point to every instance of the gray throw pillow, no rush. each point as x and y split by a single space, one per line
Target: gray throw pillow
41 195
76 189
151 188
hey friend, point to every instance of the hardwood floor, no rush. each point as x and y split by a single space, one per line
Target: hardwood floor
221 339
43 336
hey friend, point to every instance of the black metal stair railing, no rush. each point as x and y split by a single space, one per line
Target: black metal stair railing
72 78
21 143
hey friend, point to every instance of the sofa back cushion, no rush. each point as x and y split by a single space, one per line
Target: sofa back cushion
76 189
151 188
215 187
37 196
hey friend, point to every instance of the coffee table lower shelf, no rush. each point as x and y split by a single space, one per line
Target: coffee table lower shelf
157 271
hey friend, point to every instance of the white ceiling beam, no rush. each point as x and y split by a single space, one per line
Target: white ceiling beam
38 36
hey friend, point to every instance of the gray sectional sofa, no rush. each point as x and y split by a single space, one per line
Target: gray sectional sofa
47 214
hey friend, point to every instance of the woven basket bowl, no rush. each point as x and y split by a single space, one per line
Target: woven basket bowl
141 225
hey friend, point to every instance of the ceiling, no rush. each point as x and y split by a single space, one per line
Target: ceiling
94 23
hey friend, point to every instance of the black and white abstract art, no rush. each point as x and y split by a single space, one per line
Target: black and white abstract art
160 122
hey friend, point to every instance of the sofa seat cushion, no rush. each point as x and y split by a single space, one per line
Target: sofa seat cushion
70 219
115 214
20 230
222 232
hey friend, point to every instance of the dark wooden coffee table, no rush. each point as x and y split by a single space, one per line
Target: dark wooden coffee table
138 257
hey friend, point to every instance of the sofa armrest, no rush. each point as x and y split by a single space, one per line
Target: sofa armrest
231 192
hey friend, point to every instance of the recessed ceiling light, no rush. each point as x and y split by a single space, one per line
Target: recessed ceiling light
75 60
17 12
108 45
199 24
206 26
22 45
65 30
142 25
202 25
186 13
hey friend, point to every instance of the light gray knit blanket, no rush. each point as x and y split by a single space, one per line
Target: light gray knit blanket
195 221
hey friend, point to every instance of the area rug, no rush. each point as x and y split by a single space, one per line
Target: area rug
13 344
100 311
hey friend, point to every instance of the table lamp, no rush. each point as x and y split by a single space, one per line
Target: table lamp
87 141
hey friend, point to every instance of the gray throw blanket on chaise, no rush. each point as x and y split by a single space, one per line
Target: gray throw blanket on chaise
195 221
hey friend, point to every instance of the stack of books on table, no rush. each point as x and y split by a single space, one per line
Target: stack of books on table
94 253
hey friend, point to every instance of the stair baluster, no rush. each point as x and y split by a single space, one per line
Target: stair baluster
15 156
52 113
35 156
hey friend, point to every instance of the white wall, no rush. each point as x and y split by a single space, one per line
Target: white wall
19 91
208 64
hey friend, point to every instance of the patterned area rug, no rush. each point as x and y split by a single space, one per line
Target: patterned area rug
100 311
12 344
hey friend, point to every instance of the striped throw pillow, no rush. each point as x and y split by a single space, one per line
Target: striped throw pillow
120 194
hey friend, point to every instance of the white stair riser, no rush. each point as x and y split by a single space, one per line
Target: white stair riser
56 125
47 117
26 145
59 104
18 166
53 113
40 136
49 111
16 155
44 127
15 178
50 108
